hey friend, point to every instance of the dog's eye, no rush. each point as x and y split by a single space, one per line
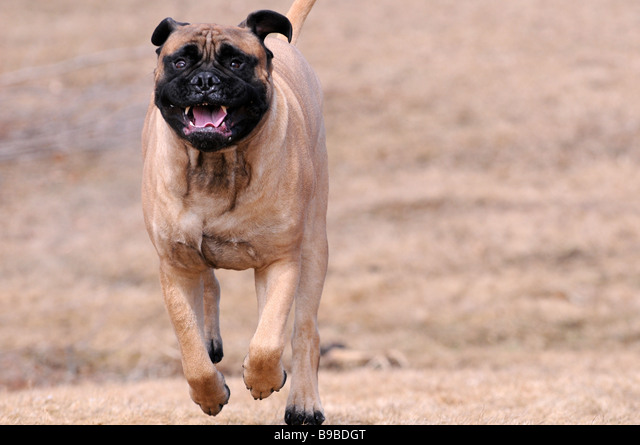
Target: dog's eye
180 63
235 64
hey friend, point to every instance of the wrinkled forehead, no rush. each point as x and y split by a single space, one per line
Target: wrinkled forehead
210 37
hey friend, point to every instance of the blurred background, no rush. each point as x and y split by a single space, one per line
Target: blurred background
484 201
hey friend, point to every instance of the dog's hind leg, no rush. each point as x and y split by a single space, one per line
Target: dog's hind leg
211 305
303 404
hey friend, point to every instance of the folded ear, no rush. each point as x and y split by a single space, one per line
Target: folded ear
264 22
164 30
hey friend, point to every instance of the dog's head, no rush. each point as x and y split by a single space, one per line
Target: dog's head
213 82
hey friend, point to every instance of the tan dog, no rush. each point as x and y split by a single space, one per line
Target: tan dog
235 177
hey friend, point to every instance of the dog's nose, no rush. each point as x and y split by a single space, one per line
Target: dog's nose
205 81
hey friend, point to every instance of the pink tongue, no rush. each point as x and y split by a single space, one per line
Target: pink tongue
205 117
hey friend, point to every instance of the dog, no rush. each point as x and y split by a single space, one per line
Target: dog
235 177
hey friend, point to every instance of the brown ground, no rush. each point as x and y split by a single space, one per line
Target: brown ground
484 216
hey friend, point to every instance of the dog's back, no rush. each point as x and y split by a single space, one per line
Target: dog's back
290 66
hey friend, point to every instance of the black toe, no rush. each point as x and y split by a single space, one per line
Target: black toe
293 416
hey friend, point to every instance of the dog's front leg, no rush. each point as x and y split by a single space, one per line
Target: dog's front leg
276 286
183 295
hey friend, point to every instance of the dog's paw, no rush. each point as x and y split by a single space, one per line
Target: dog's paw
298 416
211 396
303 404
263 381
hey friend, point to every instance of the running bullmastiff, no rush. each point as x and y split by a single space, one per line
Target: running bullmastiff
235 177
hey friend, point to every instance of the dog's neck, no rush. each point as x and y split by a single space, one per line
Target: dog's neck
216 170
223 175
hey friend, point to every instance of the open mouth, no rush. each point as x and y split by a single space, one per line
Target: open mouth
206 118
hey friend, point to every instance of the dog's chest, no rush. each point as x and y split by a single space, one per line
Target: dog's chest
230 219
194 249
236 240
228 252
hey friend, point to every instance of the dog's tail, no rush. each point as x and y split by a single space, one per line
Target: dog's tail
297 15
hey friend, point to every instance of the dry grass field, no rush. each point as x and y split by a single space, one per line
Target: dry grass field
484 215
